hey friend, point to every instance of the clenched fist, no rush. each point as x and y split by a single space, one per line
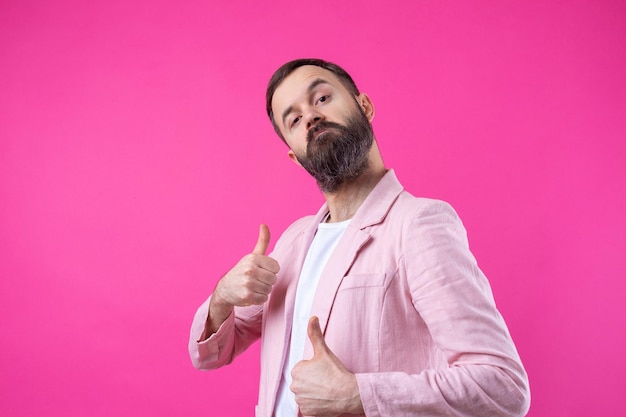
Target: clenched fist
249 282
322 385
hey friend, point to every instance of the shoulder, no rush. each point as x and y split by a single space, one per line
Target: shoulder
296 229
396 200
300 225
429 226
418 220
418 209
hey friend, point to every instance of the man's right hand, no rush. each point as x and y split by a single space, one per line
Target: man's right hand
248 283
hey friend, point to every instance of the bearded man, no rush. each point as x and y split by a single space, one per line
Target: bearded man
374 306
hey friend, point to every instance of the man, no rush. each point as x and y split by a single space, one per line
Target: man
375 306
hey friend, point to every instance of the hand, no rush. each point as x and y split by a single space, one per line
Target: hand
248 283
322 385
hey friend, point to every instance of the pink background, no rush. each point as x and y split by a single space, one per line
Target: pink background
136 163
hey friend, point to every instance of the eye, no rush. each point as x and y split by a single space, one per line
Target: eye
323 98
295 121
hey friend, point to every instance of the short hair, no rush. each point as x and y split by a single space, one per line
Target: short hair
286 69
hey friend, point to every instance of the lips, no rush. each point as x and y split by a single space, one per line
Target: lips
316 133
317 136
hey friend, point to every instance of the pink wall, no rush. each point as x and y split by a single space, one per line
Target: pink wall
136 163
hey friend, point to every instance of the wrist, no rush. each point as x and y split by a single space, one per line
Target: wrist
219 310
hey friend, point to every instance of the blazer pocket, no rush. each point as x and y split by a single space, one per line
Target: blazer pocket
363 281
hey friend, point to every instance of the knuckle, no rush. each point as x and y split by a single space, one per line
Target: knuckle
245 295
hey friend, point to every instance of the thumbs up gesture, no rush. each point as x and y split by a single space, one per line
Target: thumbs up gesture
249 282
322 385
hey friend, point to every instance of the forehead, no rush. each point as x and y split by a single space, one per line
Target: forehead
296 85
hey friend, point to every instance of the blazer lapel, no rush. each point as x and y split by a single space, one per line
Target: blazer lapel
337 267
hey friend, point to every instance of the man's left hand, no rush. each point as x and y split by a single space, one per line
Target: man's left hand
322 385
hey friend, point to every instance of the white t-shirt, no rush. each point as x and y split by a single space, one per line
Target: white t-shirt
324 242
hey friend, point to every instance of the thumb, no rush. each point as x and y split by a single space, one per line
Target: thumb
316 337
263 242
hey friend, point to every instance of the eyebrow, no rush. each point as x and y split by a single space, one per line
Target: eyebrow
309 89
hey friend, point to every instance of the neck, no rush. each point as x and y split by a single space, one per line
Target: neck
345 201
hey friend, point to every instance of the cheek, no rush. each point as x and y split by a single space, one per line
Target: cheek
296 145
343 115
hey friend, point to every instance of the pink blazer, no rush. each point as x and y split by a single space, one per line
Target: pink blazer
401 302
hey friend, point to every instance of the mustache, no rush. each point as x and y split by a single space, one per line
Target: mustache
321 126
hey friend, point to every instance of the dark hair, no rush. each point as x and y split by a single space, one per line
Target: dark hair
284 71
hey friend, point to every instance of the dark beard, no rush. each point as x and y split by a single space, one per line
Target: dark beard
340 154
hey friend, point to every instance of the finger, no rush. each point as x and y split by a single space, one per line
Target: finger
316 337
266 277
263 241
269 264
260 286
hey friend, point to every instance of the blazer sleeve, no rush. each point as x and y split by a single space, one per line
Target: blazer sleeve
484 375
233 337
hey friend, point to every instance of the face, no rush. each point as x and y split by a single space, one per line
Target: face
327 129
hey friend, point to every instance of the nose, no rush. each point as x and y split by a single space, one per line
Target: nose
312 118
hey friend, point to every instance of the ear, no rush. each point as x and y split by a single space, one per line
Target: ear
293 157
366 104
